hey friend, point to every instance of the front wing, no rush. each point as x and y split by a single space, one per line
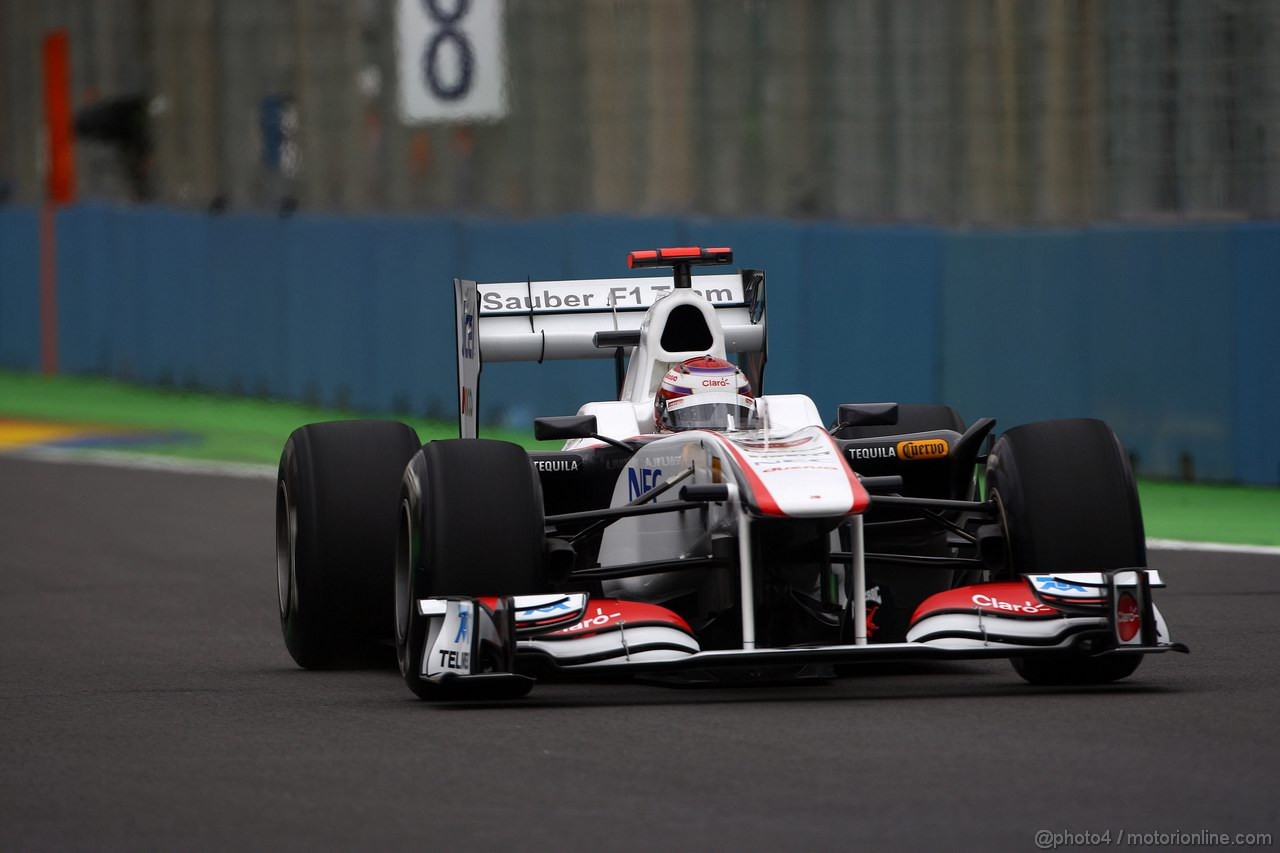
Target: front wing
1100 613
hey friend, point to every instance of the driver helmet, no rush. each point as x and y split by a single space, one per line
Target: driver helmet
704 393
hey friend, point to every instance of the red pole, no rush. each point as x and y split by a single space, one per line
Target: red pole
57 112
61 187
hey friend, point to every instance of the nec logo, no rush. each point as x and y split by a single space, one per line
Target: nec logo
641 480
468 328
469 337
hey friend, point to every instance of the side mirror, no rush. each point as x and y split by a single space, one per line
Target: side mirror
567 426
868 414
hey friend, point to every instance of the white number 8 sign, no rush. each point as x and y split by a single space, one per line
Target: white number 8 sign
451 60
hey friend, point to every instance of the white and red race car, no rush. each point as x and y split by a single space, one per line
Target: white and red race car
765 548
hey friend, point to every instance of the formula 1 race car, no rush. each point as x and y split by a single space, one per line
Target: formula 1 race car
697 530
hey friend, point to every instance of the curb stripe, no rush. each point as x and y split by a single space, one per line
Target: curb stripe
1219 547
145 462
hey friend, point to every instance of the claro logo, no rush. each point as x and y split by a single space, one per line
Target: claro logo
992 603
929 448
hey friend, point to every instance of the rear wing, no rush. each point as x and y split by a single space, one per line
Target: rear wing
589 318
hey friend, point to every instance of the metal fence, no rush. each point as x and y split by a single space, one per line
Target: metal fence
975 111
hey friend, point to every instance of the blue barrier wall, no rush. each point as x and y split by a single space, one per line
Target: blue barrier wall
1167 333
1255 437
19 288
1132 325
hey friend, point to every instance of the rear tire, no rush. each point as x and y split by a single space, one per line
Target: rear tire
471 524
335 537
1068 503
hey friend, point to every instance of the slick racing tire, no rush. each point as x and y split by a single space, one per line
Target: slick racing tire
335 537
1068 503
1075 669
471 523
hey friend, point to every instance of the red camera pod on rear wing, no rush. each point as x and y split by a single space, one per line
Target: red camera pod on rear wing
680 259
679 255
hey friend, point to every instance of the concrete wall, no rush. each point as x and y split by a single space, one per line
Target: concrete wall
1166 332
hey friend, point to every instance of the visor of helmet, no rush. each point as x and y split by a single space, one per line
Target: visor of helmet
715 410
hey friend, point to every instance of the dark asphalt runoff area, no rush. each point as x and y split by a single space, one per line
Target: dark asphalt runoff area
147 702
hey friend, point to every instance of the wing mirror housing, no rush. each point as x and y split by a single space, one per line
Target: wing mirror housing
566 426
573 426
868 414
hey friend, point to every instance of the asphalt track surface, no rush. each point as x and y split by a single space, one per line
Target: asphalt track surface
147 702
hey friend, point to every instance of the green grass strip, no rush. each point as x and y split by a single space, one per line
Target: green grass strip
225 429
1203 512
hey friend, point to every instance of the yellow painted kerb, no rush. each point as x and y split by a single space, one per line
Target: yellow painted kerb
22 433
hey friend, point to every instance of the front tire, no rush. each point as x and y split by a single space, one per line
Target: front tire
1068 503
335 537
1075 670
471 524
